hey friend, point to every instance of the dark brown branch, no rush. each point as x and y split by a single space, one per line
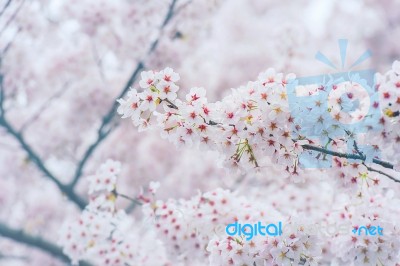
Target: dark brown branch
36 242
108 124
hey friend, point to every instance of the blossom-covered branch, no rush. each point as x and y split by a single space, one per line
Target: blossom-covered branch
252 123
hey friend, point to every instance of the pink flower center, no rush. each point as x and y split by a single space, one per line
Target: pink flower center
195 97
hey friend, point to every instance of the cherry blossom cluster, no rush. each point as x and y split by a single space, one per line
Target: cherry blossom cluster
326 107
354 177
194 229
106 235
253 128
388 86
361 249
249 125
297 248
253 125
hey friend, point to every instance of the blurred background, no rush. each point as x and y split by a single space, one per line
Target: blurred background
64 64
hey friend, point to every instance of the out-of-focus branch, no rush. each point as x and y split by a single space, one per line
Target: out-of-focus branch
36 242
104 129
13 16
5 7
10 43
44 106
107 124
13 257
1 95
34 157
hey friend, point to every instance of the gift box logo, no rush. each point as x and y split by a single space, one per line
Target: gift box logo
331 106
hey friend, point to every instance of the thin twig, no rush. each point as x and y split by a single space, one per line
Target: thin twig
380 172
10 43
357 149
170 104
106 125
44 106
36 242
13 16
135 201
104 129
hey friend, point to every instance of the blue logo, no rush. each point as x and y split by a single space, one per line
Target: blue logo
251 230
370 230
331 106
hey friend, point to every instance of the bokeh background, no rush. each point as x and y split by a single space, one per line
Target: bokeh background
64 64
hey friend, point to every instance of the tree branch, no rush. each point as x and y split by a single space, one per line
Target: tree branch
5 7
13 16
13 257
382 173
104 129
36 242
34 157
106 125
346 155
1 95
43 107
360 156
